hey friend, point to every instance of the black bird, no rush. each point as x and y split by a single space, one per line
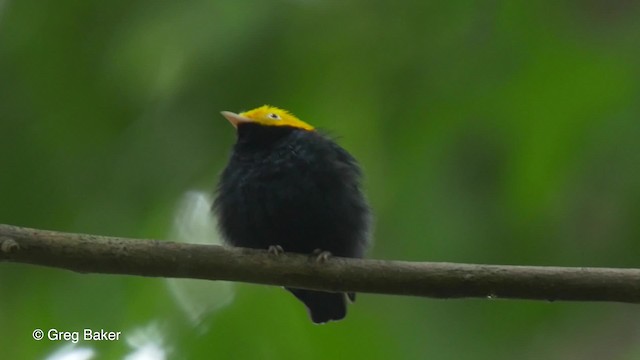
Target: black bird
289 187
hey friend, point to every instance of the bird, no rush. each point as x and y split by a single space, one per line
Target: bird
290 187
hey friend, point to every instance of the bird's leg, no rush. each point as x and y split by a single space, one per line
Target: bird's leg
321 256
275 250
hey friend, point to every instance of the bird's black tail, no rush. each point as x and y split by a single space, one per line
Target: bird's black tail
322 306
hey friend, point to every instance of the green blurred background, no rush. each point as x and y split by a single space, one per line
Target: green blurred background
490 132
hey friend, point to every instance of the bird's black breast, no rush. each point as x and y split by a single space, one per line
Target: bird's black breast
293 188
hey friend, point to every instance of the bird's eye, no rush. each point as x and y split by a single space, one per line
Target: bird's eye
274 116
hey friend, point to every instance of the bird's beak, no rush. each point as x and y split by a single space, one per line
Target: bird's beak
234 118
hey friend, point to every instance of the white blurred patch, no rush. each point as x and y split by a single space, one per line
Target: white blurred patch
147 344
195 223
72 352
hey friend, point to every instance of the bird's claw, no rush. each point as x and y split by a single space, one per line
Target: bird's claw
321 255
275 250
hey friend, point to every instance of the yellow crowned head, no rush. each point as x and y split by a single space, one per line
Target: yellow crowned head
268 116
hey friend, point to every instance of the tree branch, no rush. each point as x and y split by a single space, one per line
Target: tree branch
111 255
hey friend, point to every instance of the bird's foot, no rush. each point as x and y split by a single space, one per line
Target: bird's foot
321 255
275 250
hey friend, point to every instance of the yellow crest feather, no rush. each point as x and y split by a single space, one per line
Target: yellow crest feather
273 116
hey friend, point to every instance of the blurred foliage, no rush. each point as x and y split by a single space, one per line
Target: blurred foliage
490 132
